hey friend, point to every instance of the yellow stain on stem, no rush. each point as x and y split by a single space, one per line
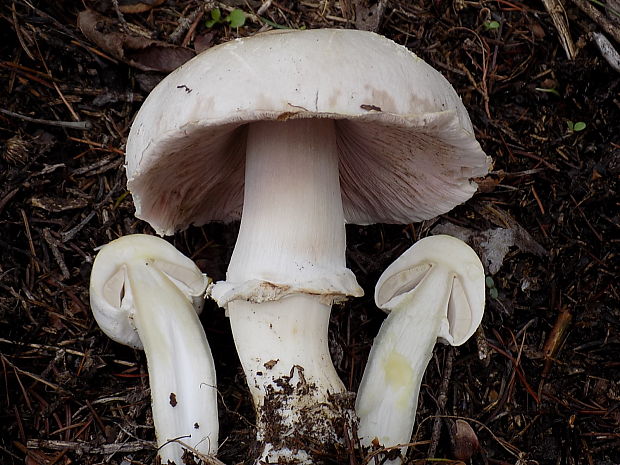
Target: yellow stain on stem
399 377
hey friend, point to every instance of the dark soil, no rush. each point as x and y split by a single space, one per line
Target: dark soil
548 390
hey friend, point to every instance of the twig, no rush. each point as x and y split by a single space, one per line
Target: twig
207 459
585 218
383 450
42 347
4 200
192 29
264 7
33 251
599 19
18 32
58 91
538 201
53 243
119 14
82 125
90 448
33 376
67 236
441 402
483 87
558 16
186 22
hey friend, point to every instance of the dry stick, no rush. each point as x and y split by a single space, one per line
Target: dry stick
207 459
18 32
599 19
67 236
441 402
82 125
58 91
33 376
558 16
53 243
42 347
89 448
264 7
186 22
119 14
192 30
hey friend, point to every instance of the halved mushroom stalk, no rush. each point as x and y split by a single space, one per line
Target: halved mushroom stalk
287 268
146 294
435 290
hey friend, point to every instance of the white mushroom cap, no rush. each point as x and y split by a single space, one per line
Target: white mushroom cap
406 145
115 314
456 265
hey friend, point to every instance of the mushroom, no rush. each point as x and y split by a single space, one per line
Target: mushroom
146 294
433 291
301 131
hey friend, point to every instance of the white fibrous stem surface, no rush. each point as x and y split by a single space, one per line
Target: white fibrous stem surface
296 390
287 268
388 395
180 364
292 235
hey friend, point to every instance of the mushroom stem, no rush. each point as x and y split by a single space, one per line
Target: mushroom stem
388 394
296 390
292 229
435 290
181 372
273 334
287 268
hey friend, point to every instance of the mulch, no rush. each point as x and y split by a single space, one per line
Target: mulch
540 382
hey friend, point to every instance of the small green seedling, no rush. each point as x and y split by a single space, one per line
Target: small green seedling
491 25
575 127
236 18
493 292
550 90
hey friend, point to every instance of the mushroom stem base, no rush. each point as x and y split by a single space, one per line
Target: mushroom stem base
292 430
303 409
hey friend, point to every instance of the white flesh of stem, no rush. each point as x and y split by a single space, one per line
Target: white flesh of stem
388 395
292 228
180 364
274 337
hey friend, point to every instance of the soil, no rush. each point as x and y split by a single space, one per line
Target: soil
540 382
299 428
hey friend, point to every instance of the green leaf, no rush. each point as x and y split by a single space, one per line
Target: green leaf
571 125
236 18
494 293
489 282
490 25
210 23
579 126
216 14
